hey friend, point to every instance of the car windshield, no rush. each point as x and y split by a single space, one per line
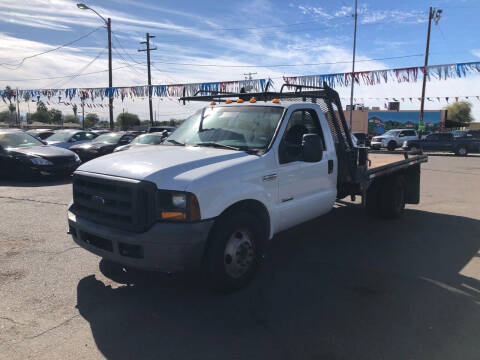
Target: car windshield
236 127
147 139
108 138
60 136
391 133
18 139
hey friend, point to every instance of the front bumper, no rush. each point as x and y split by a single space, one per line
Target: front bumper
377 145
169 247
52 170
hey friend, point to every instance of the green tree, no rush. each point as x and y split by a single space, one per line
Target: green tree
91 120
12 108
460 111
41 115
70 119
55 116
41 107
127 120
4 116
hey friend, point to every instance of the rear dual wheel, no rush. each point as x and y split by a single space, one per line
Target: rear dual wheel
387 199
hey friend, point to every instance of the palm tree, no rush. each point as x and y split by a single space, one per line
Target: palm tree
74 108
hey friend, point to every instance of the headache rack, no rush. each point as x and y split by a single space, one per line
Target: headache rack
352 160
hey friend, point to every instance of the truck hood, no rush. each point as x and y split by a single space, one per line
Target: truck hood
170 167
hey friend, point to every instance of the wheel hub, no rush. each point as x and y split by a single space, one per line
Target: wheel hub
239 254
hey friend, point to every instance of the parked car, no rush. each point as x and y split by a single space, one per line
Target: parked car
23 155
393 139
142 141
100 132
443 142
41 134
226 181
67 138
169 129
102 145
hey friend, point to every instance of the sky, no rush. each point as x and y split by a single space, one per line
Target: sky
235 38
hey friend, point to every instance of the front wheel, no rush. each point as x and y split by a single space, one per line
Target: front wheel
461 151
234 251
392 145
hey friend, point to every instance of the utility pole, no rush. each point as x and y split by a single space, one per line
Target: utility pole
355 16
83 114
148 49
432 14
110 82
18 109
248 76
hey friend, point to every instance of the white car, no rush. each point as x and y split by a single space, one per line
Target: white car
66 138
225 182
393 139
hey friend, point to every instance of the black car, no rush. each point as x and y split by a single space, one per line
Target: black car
168 129
22 155
41 134
102 145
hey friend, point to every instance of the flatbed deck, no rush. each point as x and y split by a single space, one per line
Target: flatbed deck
381 164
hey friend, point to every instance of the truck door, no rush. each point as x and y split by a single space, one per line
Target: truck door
306 189
445 142
432 142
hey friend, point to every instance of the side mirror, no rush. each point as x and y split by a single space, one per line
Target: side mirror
312 148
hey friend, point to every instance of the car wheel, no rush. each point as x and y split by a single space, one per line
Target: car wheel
414 149
392 145
393 197
461 151
233 253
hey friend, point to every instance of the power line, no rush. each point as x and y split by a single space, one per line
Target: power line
16 66
125 61
61 83
287 65
67 76
124 51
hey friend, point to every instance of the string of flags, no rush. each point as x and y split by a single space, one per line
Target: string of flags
176 90
412 99
375 77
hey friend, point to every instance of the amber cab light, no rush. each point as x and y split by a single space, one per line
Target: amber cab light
228 101
252 100
213 103
240 101
276 101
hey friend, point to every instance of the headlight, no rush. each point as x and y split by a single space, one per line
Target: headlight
77 158
40 161
177 206
405 143
384 140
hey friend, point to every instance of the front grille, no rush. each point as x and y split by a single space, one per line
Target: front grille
61 160
120 203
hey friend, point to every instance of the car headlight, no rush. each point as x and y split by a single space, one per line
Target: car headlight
405 143
40 161
177 206
384 140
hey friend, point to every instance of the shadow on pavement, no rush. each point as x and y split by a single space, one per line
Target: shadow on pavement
339 287
38 182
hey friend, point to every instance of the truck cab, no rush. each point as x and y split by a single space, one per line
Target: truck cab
233 175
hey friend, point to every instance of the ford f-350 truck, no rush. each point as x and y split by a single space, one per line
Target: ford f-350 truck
236 173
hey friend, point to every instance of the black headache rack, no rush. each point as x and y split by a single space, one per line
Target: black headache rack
352 161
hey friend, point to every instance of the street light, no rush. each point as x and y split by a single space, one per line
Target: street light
108 22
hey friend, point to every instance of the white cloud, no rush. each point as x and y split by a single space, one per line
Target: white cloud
476 52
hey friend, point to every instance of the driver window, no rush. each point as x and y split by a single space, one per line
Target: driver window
77 137
301 122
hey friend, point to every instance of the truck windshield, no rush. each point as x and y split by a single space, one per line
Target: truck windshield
235 127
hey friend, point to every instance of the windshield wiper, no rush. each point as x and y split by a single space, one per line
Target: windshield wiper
230 147
175 142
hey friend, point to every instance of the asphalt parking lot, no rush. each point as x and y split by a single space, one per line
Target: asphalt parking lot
339 287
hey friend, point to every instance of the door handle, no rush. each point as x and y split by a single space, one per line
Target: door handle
330 166
269 177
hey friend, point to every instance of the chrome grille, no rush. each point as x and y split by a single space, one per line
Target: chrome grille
120 203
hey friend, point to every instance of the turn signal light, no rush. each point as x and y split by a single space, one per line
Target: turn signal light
276 101
240 101
252 100
228 101
173 215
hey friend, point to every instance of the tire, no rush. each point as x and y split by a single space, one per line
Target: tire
392 145
234 251
372 203
414 149
392 197
461 151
